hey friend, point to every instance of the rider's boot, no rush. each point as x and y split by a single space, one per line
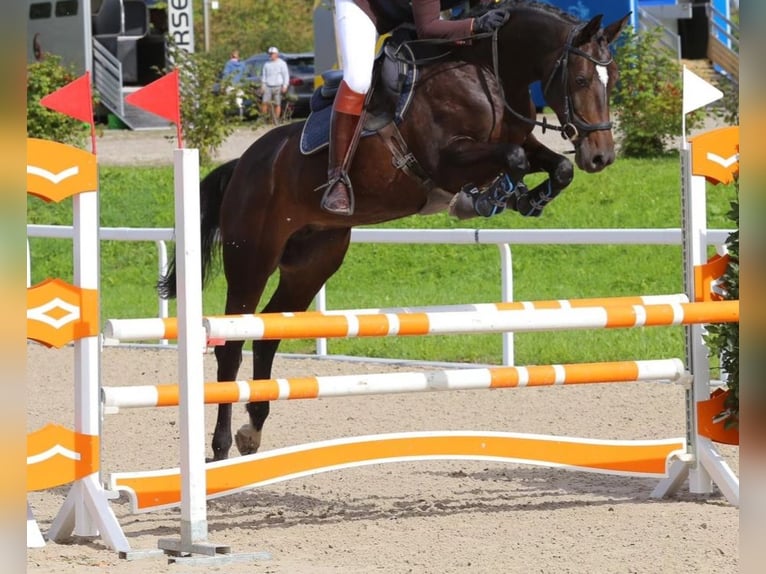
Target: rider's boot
345 127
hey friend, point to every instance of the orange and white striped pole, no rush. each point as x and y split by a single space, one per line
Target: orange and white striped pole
245 391
167 328
310 326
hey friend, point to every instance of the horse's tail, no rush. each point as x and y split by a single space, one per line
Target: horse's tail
212 188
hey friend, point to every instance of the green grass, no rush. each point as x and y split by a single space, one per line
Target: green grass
632 193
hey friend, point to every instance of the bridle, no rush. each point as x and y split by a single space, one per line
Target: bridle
573 126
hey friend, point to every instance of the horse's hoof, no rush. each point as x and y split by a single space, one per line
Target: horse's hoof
247 439
461 206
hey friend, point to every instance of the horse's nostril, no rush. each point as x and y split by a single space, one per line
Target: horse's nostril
599 161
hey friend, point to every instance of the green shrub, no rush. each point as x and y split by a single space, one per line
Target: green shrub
204 102
44 78
727 108
648 97
723 338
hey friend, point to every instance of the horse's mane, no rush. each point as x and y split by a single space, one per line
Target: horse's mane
511 5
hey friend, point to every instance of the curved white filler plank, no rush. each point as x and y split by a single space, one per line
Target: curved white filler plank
153 490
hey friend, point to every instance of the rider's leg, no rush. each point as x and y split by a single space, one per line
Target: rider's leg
346 112
357 35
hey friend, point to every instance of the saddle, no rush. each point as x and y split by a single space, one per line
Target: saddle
395 74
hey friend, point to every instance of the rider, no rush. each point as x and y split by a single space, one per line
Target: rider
357 23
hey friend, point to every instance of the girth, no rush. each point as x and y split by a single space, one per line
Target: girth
402 157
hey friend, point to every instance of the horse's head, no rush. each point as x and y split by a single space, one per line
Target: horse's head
578 87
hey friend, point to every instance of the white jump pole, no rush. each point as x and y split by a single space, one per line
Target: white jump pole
191 343
165 328
309 326
152 396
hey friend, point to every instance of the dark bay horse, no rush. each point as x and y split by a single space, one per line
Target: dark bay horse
463 126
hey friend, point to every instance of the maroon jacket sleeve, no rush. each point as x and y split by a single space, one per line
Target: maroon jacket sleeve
428 24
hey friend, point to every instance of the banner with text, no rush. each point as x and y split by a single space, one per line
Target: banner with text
181 24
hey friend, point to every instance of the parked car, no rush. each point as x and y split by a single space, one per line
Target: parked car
301 67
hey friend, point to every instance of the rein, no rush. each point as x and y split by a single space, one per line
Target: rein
572 126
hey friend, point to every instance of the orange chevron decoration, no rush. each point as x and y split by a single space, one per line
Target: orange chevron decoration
715 154
705 276
710 422
57 455
56 171
58 313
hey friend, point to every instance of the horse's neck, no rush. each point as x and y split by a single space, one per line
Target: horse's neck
528 46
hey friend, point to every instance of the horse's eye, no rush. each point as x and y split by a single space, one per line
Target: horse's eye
581 81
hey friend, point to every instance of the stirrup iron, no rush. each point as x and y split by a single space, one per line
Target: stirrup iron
340 176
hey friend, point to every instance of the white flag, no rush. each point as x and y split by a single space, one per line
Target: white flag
698 92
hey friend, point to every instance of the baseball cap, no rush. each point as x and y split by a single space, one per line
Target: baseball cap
273 50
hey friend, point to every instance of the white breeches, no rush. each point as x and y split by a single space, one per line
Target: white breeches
357 39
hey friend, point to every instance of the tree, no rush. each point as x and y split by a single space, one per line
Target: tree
203 107
44 78
251 26
648 96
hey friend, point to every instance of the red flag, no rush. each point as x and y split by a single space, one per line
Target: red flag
74 99
160 97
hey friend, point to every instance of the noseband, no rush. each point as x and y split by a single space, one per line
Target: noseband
572 127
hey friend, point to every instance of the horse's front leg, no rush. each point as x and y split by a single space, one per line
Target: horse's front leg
503 165
481 161
560 174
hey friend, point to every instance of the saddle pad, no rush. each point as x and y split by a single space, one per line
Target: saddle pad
316 131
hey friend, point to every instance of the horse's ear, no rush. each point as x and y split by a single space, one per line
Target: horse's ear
614 29
588 31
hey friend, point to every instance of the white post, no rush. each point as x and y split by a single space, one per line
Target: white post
321 305
695 245
87 359
162 258
506 296
696 94
206 21
191 342
86 511
705 466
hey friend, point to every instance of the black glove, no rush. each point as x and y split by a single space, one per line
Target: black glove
490 21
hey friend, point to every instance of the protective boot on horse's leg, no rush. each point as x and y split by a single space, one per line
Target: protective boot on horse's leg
345 128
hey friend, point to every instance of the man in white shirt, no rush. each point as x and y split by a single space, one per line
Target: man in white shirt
275 79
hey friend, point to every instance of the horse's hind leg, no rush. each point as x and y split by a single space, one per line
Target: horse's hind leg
308 261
